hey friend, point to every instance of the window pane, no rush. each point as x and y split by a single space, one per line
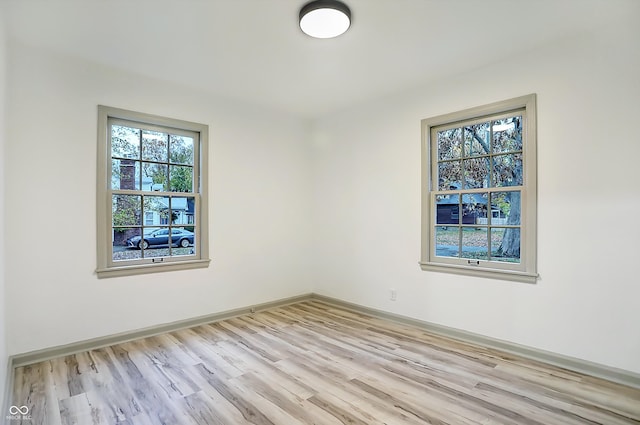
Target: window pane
505 244
181 150
125 142
155 146
505 208
476 139
125 241
155 242
183 240
447 209
450 144
125 174
449 175
126 210
181 178
148 218
158 208
475 243
507 135
447 241
474 208
476 173
507 170
156 251
183 210
154 177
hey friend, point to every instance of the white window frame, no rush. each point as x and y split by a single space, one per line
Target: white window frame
106 267
526 270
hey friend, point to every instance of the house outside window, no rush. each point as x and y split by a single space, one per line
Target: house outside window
479 191
149 218
152 197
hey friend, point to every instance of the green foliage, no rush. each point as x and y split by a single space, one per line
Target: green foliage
502 200
181 152
125 213
181 179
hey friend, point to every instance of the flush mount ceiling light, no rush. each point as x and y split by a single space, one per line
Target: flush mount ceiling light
325 18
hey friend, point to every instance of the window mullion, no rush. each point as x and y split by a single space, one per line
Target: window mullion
459 226
463 156
142 212
491 173
170 223
140 159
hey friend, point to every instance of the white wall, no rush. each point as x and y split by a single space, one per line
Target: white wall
587 301
258 206
3 326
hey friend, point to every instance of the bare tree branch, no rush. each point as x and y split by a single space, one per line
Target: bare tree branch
484 144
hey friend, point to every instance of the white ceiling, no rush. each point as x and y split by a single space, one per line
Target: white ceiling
254 51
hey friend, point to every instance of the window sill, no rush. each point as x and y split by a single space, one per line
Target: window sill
509 275
151 268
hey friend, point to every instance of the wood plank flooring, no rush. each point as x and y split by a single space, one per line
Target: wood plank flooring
312 363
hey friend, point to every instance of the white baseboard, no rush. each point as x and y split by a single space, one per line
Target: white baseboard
90 344
570 363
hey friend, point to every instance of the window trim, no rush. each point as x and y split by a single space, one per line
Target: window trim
105 266
527 272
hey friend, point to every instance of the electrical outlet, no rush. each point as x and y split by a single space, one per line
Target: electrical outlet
394 294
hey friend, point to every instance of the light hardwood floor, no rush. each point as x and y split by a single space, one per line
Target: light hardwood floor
312 363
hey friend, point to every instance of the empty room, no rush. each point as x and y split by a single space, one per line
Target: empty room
319 212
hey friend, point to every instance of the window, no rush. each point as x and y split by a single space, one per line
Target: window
479 191
148 218
152 196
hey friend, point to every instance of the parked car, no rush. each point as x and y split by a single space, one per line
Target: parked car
179 237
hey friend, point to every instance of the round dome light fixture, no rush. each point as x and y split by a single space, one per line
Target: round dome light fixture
325 18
